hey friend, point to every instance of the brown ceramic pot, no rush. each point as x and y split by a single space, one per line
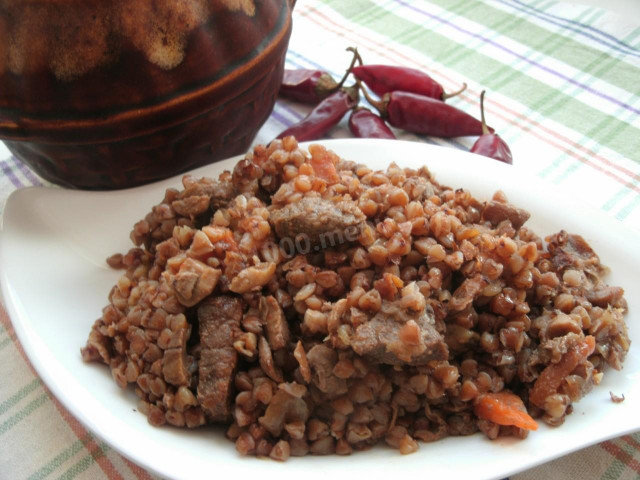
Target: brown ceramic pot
104 94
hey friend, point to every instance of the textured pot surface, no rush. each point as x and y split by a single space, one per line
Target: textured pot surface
114 93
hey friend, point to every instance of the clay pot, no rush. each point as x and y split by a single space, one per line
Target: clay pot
104 94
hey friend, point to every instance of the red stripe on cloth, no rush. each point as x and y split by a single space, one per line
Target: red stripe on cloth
384 50
6 323
618 453
138 471
92 447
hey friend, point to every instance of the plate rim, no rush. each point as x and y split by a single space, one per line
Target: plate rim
29 338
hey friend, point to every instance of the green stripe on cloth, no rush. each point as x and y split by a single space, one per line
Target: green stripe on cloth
508 74
19 395
633 37
24 413
615 470
5 342
454 54
574 53
572 166
509 22
535 94
84 463
508 71
628 449
57 461
607 131
567 172
627 209
553 166
617 197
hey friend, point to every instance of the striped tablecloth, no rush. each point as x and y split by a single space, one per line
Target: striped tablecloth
563 89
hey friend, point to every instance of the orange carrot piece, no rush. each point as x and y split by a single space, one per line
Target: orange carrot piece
322 164
504 408
552 376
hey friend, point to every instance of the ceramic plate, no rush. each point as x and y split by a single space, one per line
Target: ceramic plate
55 282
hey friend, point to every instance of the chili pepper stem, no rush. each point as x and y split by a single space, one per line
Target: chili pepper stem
485 130
446 95
356 58
380 105
353 92
356 54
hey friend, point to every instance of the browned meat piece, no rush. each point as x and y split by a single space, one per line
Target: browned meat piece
553 324
252 278
174 368
495 212
194 281
246 175
222 191
174 361
275 323
465 294
322 359
266 361
219 325
437 426
395 336
616 398
569 250
325 223
165 250
553 349
604 295
301 357
283 408
612 337
191 206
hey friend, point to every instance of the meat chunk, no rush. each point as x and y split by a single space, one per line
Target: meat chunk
194 281
266 361
246 175
604 295
191 206
253 278
222 191
495 212
219 319
275 323
612 337
301 356
569 250
322 359
467 292
324 222
616 398
283 408
174 368
174 360
391 337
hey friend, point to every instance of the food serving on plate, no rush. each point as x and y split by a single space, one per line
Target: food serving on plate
317 306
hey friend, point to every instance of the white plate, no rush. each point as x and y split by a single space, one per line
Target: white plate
55 283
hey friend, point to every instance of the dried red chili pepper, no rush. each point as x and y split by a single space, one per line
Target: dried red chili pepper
383 79
490 144
424 115
308 86
324 116
312 86
363 123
